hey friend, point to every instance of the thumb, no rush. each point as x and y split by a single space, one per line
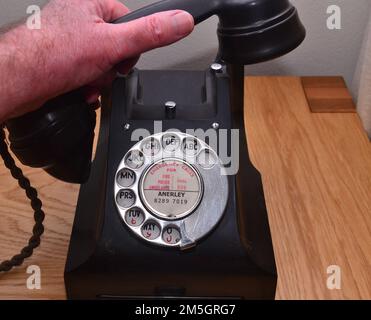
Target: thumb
133 38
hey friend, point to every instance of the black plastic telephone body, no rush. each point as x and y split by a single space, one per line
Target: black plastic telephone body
105 260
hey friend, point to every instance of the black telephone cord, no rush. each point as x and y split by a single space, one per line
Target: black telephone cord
36 205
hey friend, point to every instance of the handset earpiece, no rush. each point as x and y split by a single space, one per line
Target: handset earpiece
59 136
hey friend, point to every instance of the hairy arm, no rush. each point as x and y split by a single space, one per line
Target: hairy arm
20 81
75 47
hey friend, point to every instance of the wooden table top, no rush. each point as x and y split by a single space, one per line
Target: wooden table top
316 170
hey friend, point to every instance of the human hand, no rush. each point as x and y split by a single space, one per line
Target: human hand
76 47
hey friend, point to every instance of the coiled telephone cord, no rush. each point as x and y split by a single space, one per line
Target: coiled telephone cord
36 205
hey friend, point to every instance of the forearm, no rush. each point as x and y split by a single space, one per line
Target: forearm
37 65
22 62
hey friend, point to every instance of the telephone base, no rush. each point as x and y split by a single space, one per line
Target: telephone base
105 260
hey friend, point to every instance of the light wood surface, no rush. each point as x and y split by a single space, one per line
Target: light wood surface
316 172
328 94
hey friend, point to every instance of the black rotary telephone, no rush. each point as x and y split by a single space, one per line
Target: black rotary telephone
158 215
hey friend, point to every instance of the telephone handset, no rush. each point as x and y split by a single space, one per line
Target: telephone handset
59 136
176 207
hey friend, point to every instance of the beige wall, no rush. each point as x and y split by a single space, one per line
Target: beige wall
324 52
